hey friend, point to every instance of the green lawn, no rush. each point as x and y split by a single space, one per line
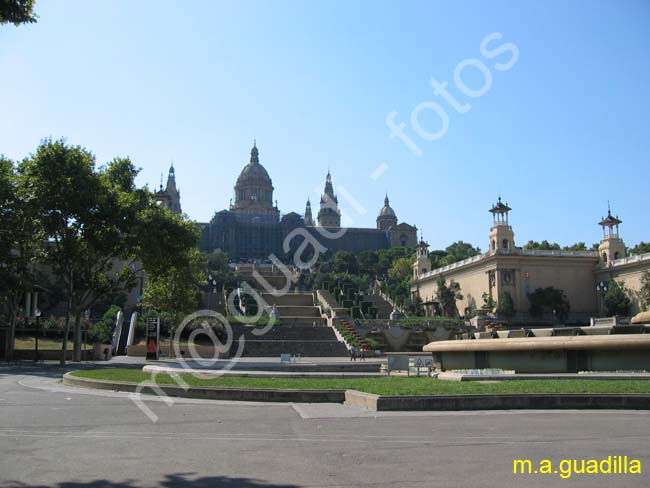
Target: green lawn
386 385
43 343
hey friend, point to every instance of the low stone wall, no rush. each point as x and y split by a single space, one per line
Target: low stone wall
372 402
553 354
234 394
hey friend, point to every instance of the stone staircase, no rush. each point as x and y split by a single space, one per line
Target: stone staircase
384 308
295 308
306 340
345 327
301 330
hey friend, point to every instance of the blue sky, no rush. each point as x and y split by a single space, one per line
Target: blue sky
557 135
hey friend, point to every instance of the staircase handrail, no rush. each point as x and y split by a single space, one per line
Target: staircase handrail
387 297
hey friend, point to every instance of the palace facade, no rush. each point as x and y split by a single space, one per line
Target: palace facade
254 228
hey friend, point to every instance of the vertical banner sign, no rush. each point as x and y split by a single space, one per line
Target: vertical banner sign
153 336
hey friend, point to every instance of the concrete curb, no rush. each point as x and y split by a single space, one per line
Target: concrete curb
498 402
282 373
543 376
209 393
376 403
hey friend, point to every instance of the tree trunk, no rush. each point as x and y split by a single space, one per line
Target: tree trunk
64 347
77 337
67 323
11 337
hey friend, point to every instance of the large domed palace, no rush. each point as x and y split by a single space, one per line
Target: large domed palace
254 228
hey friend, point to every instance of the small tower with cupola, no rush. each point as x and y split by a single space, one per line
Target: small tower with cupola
422 263
502 237
612 246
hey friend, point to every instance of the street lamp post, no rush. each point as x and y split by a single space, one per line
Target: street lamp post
601 289
209 295
37 314
87 316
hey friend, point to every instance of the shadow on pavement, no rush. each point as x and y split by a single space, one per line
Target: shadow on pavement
171 480
55 370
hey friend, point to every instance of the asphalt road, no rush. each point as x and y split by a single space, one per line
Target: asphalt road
57 436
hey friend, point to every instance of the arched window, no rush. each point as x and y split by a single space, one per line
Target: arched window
505 243
617 255
605 257
494 245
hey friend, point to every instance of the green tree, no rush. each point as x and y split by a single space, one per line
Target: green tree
641 248
344 262
460 250
542 246
616 299
175 291
506 305
99 229
644 292
414 306
489 303
102 330
82 213
401 269
549 300
578 246
367 262
452 254
219 269
17 12
20 237
447 296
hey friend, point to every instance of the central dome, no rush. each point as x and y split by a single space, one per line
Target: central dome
254 188
253 171
387 210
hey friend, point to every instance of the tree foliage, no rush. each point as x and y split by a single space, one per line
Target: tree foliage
175 291
93 227
102 330
506 306
489 303
644 291
222 274
20 235
452 254
447 296
554 246
640 248
17 12
344 262
549 300
616 299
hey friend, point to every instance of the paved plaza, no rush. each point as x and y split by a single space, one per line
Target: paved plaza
57 436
